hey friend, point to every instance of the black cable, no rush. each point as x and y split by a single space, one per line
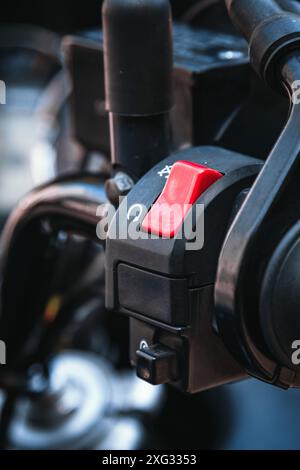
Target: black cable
290 5
33 38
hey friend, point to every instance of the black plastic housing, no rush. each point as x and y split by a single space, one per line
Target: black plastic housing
167 289
212 81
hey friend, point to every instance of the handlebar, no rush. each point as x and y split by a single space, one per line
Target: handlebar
66 204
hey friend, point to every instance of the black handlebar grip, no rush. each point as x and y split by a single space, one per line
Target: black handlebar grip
271 32
138 54
246 15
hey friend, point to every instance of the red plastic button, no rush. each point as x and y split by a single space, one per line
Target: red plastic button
186 183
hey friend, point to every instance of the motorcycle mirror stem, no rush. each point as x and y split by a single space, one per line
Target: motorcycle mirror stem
138 58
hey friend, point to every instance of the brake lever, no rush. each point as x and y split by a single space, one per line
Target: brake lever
244 254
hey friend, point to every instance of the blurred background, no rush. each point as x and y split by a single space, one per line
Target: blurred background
54 122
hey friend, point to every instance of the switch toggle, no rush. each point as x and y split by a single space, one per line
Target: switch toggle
186 183
157 365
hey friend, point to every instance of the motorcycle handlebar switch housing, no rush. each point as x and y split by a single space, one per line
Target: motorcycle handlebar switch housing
164 280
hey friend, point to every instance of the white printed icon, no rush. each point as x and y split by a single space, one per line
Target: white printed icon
165 172
135 212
